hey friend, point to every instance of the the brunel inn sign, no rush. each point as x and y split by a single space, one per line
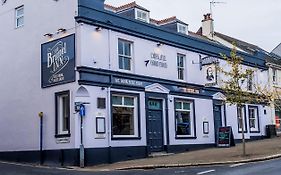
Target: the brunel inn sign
58 61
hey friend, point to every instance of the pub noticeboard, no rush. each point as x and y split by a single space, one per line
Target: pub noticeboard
58 61
225 137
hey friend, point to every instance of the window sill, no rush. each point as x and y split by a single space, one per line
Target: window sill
125 138
62 135
184 138
254 131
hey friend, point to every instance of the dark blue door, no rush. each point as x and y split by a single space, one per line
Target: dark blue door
155 125
217 118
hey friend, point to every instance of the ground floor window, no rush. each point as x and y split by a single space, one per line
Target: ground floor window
253 118
184 118
124 116
278 117
62 113
241 115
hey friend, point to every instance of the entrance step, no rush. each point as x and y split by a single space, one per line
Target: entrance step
160 154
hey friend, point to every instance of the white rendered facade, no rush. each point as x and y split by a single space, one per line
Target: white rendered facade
96 54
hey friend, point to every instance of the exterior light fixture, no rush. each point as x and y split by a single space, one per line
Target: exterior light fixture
48 35
98 28
61 30
159 44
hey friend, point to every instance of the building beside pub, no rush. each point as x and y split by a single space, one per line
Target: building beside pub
139 84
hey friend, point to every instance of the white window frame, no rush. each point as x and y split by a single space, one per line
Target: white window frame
60 113
136 117
180 28
274 76
142 17
130 57
183 68
192 117
17 16
255 118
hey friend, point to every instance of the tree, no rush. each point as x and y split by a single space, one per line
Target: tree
239 88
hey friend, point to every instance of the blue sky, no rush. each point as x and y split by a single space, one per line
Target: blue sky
254 21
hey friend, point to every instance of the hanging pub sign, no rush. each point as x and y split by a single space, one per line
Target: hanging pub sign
210 72
58 61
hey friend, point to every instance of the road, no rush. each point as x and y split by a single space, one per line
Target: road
260 168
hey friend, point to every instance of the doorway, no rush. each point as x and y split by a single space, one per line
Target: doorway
155 125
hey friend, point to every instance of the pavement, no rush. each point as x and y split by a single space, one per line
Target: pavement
259 150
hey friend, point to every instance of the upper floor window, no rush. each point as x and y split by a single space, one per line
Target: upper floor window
274 75
250 82
19 12
125 54
182 28
181 66
142 15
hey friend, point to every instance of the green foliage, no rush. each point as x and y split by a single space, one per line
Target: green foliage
236 78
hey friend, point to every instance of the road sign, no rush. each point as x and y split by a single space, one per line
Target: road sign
82 111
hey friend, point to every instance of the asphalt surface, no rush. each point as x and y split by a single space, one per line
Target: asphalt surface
271 167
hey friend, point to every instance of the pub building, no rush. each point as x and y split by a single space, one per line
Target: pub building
140 85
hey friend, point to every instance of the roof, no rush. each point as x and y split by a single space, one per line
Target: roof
250 48
124 7
277 50
245 46
116 22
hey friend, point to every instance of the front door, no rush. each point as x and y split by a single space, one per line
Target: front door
217 118
155 125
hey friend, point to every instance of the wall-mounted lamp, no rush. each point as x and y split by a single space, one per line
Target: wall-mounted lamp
159 44
48 35
61 30
98 29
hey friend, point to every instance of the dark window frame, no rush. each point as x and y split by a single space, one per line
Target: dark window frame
58 94
258 118
245 119
192 101
135 95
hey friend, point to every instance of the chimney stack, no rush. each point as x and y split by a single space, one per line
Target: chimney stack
208 26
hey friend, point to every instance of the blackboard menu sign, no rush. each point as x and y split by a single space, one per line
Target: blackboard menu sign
225 136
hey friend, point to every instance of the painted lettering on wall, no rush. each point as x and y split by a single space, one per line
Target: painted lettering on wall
157 60
128 82
58 61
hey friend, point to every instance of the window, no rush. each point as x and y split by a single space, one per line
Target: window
182 28
250 82
19 16
124 116
184 118
241 115
142 15
62 113
253 118
274 75
181 66
124 54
